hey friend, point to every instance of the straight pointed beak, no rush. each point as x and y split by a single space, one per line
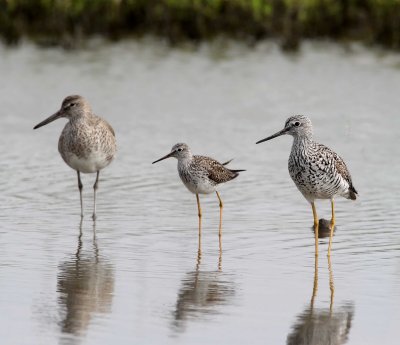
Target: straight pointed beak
165 157
53 117
283 131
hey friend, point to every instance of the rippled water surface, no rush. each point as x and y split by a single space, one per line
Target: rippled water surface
136 275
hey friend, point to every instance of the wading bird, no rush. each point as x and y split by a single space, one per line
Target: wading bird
87 142
317 171
201 175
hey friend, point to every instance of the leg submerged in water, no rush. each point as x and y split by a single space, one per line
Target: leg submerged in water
221 206
332 227
199 213
95 186
80 186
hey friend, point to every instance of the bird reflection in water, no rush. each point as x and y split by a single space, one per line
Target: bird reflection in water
202 293
317 326
85 285
324 228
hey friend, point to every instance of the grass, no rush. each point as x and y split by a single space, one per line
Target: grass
69 22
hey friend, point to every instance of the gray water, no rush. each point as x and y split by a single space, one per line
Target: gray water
135 276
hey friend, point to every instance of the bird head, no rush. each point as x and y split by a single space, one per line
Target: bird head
72 107
296 126
179 151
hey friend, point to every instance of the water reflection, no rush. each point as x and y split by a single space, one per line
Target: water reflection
317 326
85 285
324 228
201 294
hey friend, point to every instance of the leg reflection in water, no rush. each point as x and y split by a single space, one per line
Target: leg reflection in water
320 326
85 286
202 293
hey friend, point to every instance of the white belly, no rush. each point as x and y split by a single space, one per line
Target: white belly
201 188
94 162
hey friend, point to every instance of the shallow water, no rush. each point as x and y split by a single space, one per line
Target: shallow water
136 276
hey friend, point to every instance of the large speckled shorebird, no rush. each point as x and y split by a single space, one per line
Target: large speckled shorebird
317 171
87 142
201 175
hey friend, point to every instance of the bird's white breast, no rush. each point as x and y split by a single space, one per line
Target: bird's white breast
196 181
94 161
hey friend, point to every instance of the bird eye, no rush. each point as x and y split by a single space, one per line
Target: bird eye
180 149
297 123
72 104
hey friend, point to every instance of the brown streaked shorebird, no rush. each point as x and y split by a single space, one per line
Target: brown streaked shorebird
87 142
317 171
201 175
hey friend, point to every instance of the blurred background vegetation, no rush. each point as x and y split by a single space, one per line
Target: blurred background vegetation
69 22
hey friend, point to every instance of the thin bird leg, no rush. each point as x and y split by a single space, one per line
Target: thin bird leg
80 186
332 226
316 227
221 206
220 256
95 186
331 284
315 286
198 261
199 214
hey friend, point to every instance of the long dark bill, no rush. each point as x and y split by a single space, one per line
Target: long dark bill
165 157
48 120
283 131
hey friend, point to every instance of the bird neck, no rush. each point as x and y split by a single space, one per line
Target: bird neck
81 117
301 142
186 160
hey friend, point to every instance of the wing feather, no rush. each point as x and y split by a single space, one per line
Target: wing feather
215 170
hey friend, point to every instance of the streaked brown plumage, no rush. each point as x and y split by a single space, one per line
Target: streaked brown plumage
200 174
87 142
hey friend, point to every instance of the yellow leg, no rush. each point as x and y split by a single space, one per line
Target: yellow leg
220 255
221 206
316 227
198 256
314 211
315 286
199 214
331 283
332 226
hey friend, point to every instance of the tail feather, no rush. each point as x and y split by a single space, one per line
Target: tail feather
236 172
227 162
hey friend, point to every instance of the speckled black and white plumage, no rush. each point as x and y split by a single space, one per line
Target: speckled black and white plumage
317 171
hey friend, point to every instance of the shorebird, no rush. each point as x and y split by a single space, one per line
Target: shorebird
201 175
317 171
87 142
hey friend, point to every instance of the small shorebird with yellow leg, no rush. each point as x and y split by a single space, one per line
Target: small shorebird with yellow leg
87 142
201 175
317 171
